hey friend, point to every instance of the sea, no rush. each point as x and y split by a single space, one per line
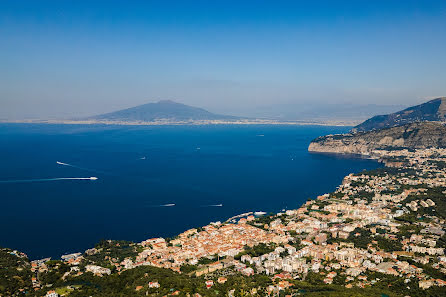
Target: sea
152 181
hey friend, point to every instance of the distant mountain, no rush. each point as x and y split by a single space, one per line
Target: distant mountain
434 110
162 110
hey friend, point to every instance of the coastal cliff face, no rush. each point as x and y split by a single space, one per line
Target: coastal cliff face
413 136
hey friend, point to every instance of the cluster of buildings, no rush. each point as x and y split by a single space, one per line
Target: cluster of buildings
213 241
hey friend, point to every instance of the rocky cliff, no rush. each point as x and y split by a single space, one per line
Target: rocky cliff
414 135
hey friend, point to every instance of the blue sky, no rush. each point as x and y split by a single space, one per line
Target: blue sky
76 58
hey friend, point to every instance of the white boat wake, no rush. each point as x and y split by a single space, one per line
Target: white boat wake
81 168
47 179
212 205
162 205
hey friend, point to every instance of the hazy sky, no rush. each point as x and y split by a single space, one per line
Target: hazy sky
76 58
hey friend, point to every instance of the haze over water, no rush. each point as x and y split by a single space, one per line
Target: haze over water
152 181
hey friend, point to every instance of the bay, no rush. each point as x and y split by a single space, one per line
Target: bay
152 180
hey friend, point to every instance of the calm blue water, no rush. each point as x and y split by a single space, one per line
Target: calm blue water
191 167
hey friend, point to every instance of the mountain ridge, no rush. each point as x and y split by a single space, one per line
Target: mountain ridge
433 110
417 127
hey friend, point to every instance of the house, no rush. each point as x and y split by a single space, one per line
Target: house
242 221
343 234
248 271
154 285
209 284
425 284
51 293
320 238
328 280
97 270
282 285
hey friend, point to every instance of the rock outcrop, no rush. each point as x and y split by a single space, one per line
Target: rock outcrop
412 136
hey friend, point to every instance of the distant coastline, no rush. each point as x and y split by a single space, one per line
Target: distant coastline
167 122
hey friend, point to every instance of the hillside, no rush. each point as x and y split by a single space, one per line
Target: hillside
415 136
434 110
14 272
162 110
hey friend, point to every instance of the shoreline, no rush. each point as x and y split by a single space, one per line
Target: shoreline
184 123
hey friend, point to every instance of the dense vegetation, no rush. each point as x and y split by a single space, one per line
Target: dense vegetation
257 250
111 249
14 273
